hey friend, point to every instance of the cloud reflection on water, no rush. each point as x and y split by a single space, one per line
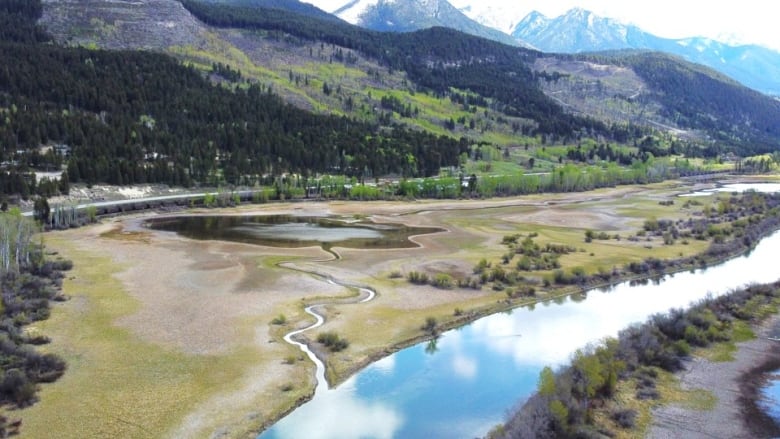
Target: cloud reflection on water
341 414
548 335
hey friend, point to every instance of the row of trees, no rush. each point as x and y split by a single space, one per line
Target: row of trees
28 283
16 242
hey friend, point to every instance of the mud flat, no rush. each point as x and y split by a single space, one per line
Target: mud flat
172 337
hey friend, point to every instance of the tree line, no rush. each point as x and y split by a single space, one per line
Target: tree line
28 281
567 399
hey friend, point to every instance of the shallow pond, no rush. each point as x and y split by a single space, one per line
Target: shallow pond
737 187
293 231
464 383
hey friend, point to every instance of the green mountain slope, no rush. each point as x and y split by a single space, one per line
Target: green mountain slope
375 103
134 117
687 96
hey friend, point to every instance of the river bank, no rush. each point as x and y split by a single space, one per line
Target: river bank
200 311
735 384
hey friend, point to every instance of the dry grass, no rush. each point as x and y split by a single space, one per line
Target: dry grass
173 336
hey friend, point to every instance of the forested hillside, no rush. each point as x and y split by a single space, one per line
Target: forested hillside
438 59
124 117
134 117
746 120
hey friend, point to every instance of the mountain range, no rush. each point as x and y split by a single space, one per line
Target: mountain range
576 31
582 31
409 15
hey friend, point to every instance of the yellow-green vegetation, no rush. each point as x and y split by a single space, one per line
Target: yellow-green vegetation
99 349
625 399
117 385
720 352
309 76
670 392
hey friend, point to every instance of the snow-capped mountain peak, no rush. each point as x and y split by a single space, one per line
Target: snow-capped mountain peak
489 14
353 10
575 31
408 15
579 30
534 20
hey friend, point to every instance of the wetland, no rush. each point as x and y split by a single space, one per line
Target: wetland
184 325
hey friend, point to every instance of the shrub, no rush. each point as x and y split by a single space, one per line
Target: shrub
279 320
481 266
589 235
646 393
625 418
443 280
527 291
651 225
695 336
681 348
417 277
430 325
332 341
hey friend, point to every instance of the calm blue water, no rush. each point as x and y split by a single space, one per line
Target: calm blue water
737 187
475 374
771 397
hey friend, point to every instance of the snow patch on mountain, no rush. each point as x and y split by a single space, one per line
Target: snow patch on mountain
579 30
498 16
353 11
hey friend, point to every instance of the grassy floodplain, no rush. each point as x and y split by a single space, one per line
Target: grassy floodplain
173 337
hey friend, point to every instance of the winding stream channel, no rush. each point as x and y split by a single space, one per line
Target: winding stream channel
462 384
322 383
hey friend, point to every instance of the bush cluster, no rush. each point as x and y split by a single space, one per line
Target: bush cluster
564 403
333 341
26 294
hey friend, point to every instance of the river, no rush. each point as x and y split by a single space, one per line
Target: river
464 383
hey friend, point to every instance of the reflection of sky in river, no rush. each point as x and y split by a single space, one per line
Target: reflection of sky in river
474 375
305 232
771 397
737 187
350 416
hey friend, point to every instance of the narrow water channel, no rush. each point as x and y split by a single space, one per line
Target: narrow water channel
463 384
